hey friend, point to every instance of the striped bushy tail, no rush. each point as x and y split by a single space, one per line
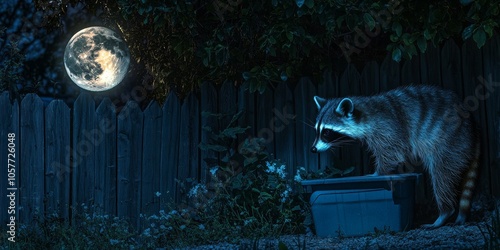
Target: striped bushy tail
468 185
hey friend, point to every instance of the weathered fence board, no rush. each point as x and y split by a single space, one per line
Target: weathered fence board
169 149
82 150
31 188
151 156
389 74
189 139
491 71
105 157
129 143
370 85
208 122
430 65
410 72
246 103
283 125
329 88
9 124
306 111
451 68
265 104
228 104
57 158
472 72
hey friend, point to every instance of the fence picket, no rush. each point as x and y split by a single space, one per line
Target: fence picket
189 138
306 111
491 77
169 149
472 72
329 88
284 126
31 143
150 202
105 157
129 142
57 158
209 105
82 150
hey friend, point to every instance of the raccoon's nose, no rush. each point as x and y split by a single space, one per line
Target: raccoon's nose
314 150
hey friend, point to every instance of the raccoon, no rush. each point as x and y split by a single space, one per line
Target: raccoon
414 122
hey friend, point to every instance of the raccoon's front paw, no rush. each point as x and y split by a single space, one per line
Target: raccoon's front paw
374 174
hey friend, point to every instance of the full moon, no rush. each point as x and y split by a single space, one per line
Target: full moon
96 58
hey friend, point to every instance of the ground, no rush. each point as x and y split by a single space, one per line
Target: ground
467 236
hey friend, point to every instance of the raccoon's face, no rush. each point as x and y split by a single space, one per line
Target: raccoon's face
334 123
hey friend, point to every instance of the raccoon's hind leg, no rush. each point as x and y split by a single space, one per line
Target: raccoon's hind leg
444 192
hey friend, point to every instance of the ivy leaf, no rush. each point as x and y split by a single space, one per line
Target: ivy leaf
467 33
480 38
369 20
488 29
246 75
299 3
427 34
396 55
396 27
284 77
422 44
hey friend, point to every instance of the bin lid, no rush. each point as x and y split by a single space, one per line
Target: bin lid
361 179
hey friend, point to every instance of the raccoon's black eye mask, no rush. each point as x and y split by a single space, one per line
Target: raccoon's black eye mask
329 135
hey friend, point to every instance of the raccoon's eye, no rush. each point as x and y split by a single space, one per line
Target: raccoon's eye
328 134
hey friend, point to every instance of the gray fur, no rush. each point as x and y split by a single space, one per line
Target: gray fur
414 122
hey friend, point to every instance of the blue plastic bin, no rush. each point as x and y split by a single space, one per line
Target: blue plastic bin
354 206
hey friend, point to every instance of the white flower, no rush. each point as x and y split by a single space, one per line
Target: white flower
201 227
281 172
297 177
158 194
147 232
213 170
270 168
173 212
285 194
197 190
182 227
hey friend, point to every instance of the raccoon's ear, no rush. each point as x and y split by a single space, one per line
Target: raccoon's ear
320 102
345 107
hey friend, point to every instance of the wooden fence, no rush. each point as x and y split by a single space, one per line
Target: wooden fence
122 161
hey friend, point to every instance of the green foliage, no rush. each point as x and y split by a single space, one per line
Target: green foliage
248 190
183 43
11 66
